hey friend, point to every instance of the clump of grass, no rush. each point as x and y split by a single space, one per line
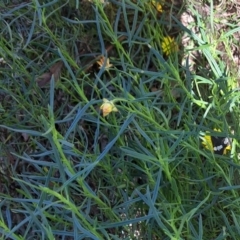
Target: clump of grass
109 145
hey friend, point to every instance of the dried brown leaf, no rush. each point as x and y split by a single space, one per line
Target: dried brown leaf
101 62
25 137
44 79
54 70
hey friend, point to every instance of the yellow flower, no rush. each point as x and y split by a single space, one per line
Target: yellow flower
107 107
219 145
169 45
207 142
101 62
157 5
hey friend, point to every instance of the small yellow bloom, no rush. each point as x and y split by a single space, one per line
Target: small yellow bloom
207 142
169 45
101 62
157 5
107 107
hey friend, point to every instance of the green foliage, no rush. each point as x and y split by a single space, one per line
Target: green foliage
138 173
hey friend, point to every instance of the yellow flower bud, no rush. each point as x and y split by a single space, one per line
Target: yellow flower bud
169 45
157 5
108 107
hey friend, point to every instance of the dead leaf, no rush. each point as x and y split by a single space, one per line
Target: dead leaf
104 62
54 70
25 137
154 89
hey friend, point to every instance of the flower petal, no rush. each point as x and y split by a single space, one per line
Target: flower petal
107 107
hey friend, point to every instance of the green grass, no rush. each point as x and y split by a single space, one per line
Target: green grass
67 172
